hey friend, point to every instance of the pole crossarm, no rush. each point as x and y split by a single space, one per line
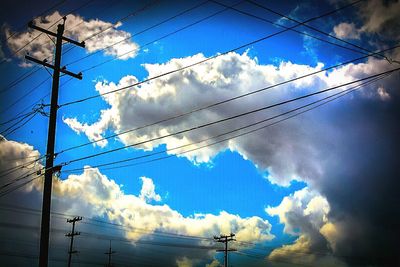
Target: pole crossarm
63 69
33 26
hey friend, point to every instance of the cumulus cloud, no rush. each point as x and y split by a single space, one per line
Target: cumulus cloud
229 75
75 27
321 148
148 190
93 195
94 131
346 30
17 160
305 214
378 17
103 197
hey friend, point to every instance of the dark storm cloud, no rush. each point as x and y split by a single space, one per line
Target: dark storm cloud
362 184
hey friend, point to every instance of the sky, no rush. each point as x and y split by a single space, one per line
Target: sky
276 121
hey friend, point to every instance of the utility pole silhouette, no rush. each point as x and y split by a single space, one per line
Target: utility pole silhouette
109 253
225 239
48 176
71 235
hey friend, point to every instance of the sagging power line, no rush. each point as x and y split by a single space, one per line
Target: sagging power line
210 58
366 82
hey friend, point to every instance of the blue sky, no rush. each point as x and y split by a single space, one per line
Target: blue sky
278 186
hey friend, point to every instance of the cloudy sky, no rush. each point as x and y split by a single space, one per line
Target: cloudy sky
277 121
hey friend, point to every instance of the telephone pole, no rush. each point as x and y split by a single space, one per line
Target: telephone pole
71 235
109 253
48 176
225 239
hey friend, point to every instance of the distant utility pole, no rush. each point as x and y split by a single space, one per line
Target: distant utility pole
71 235
45 226
225 239
109 253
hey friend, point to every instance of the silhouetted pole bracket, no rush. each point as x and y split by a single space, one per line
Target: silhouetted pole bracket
48 176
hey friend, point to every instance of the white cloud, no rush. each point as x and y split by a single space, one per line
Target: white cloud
147 193
93 132
13 155
305 214
78 28
383 94
346 30
229 75
93 194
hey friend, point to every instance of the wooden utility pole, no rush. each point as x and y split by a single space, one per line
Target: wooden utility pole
109 253
71 235
48 176
225 239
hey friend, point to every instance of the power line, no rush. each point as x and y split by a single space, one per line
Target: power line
8 191
264 259
231 117
138 33
21 119
332 97
111 225
160 38
40 110
304 33
20 78
36 37
119 239
316 29
40 15
210 105
23 77
16 118
223 101
31 106
134 13
137 128
115 238
21 125
213 57
36 69
25 95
